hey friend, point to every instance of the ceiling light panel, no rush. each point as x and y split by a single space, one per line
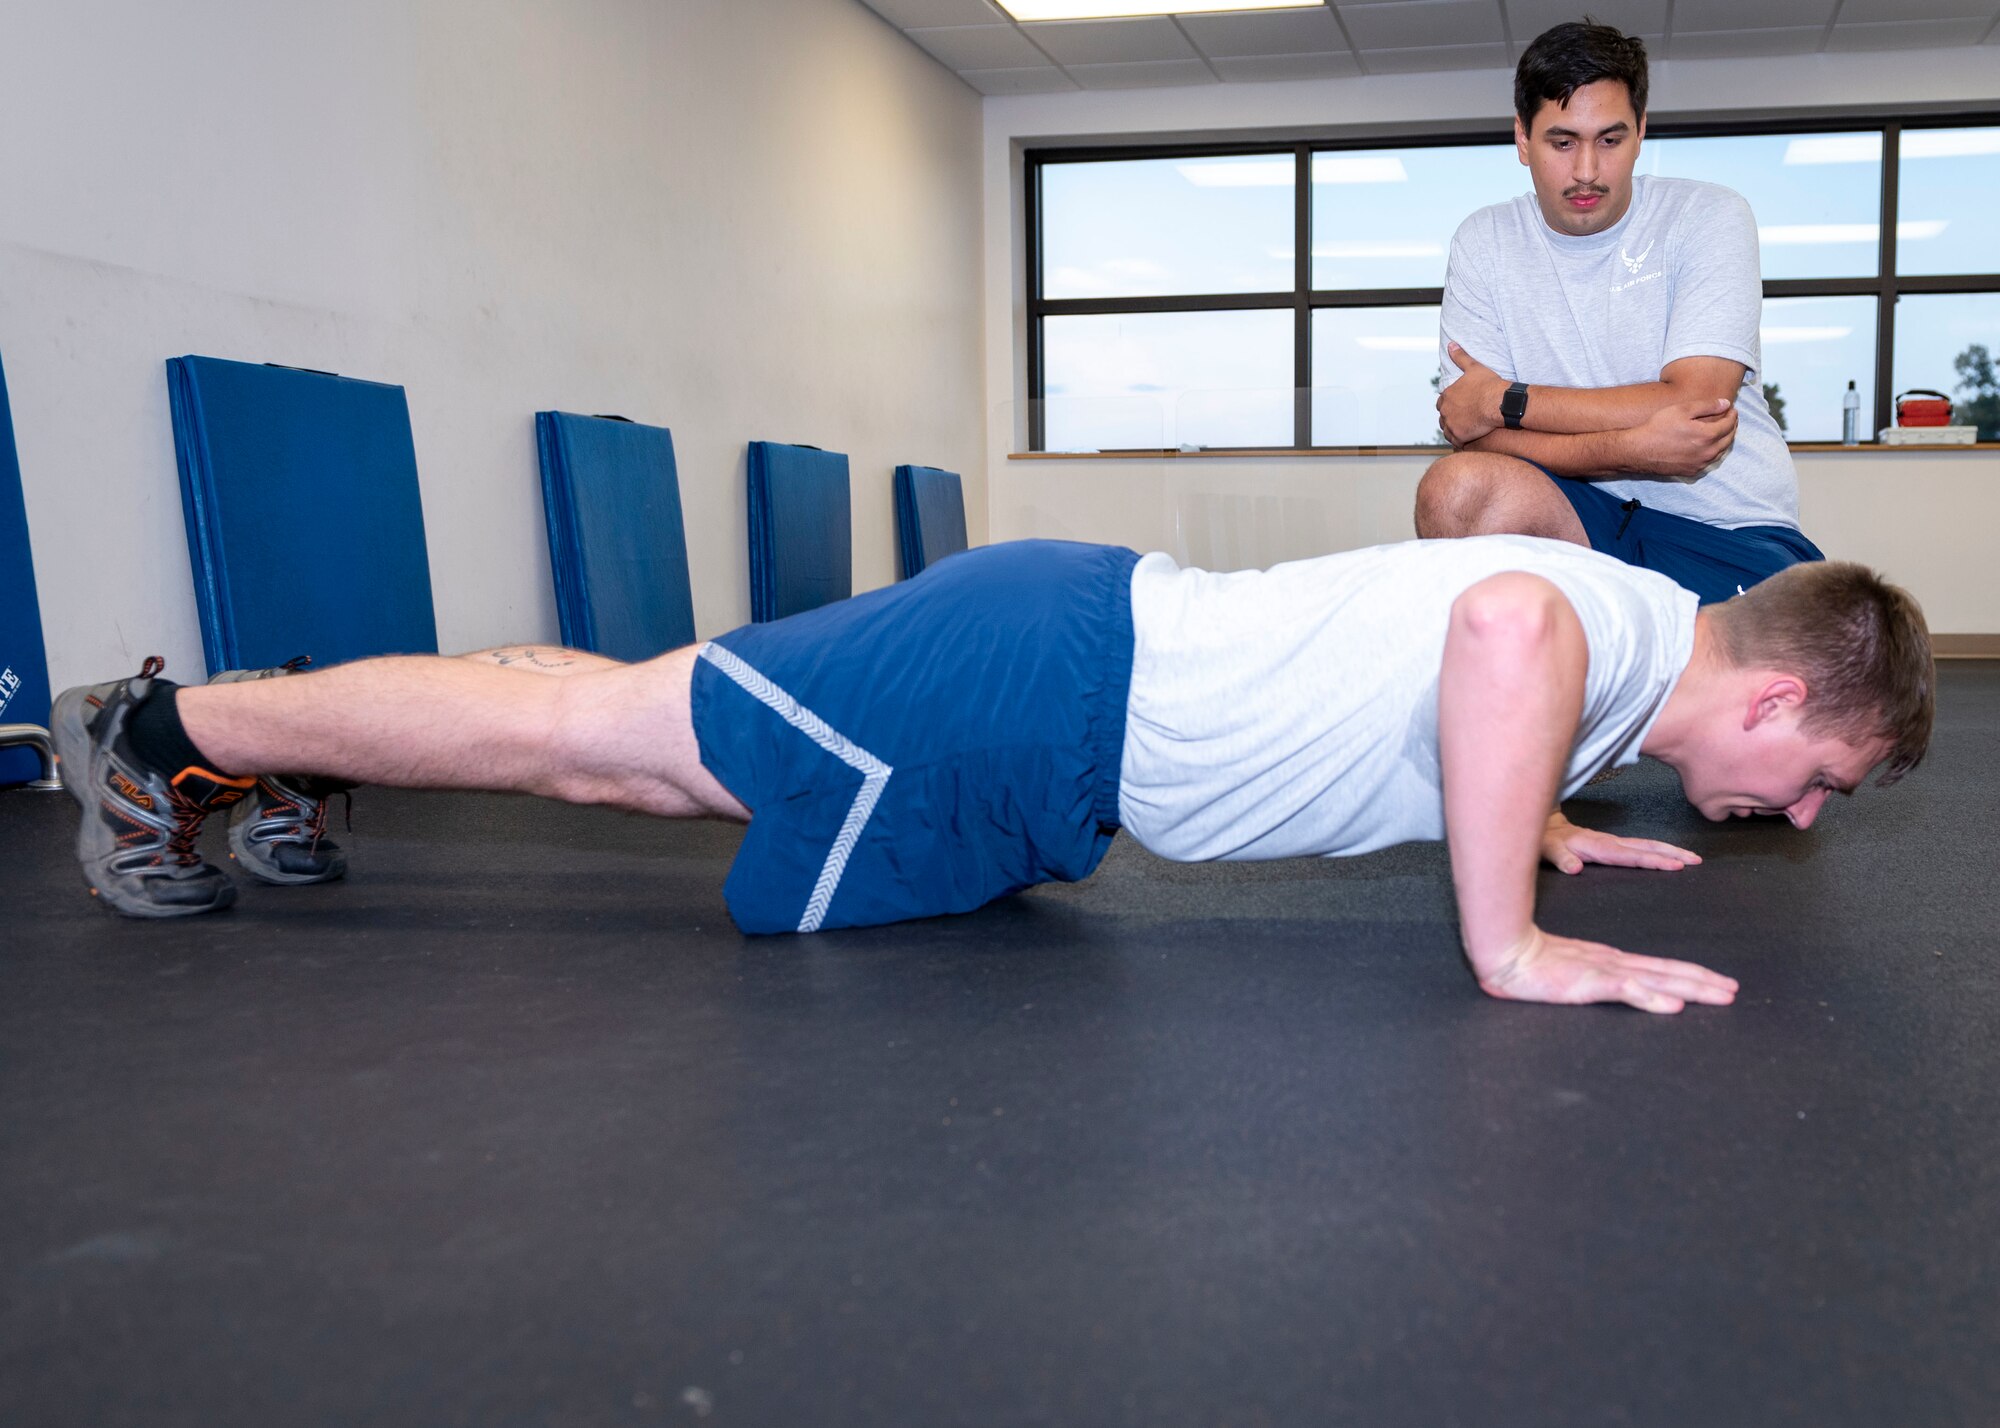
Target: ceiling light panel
1122 9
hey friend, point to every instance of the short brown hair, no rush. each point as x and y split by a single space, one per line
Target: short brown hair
1564 59
1859 643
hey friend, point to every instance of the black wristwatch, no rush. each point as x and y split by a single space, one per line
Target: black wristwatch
1514 405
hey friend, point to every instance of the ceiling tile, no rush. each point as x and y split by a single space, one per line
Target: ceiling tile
1403 24
1736 44
979 46
1708 16
1863 12
1142 76
909 14
1110 41
1277 32
1528 18
1906 35
1250 69
1440 57
1046 79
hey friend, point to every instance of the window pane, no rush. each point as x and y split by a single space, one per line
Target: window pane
1949 342
1817 197
1163 379
1813 347
1383 218
1948 194
1373 375
1158 227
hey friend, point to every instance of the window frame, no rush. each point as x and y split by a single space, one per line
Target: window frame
1885 286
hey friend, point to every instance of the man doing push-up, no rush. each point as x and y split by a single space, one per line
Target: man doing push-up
991 724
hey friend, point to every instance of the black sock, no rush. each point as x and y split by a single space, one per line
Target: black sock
157 736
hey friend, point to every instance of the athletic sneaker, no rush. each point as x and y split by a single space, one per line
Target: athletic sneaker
278 835
136 842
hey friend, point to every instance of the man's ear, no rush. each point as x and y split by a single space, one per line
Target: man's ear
1779 693
1520 139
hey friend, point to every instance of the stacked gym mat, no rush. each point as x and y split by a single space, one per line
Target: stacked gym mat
930 516
617 543
304 525
24 669
801 530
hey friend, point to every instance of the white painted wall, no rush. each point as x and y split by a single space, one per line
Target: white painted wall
737 218
1926 519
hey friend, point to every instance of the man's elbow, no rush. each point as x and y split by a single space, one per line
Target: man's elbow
1515 609
1703 379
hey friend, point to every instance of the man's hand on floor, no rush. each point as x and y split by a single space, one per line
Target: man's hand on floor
1543 967
1567 848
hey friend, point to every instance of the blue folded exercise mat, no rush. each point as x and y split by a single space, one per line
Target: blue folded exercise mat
930 516
617 542
304 525
24 665
801 530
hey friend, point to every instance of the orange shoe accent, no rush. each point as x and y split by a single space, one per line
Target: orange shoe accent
131 790
196 770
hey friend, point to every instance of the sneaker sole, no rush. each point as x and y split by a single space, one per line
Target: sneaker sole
278 877
73 747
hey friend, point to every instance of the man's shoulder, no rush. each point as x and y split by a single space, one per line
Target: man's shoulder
1682 198
1492 225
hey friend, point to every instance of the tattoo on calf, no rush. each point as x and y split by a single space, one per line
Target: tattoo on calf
530 656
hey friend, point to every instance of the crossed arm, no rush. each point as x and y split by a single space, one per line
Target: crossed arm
1509 697
1677 426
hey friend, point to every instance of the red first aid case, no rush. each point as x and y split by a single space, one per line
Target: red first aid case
1922 407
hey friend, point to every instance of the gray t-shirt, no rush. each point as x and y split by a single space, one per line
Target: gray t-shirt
1676 277
1293 711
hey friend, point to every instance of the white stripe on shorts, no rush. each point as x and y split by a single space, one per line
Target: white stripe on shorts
874 773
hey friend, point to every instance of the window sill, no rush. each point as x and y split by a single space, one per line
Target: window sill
1871 448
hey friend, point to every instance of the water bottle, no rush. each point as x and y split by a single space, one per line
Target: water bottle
1850 417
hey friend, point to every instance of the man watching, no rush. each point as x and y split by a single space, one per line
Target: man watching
1600 351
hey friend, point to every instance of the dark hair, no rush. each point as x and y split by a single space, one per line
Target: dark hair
1568 56
1859 643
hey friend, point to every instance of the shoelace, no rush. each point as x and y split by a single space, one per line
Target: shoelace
188 818
302 799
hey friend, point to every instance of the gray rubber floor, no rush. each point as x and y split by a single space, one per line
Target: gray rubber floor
513 1128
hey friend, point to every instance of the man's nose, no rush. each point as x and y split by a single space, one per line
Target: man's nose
1806 809
1583 168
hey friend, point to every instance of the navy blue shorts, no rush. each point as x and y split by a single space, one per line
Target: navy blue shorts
1713 561
928 747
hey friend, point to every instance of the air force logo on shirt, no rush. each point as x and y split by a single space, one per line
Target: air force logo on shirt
1635 266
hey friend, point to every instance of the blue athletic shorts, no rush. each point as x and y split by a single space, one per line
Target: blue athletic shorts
1713 561
928 747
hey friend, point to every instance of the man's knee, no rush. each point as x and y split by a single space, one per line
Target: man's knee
1454 494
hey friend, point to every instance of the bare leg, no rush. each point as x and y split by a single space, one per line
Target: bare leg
621 734
542 659
1483 493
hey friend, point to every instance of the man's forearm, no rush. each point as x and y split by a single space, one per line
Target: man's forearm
1584 411
1589 455
1475 402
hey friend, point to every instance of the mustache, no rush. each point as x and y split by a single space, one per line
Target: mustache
1596 188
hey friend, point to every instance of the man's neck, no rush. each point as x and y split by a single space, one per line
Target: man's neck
1694 698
